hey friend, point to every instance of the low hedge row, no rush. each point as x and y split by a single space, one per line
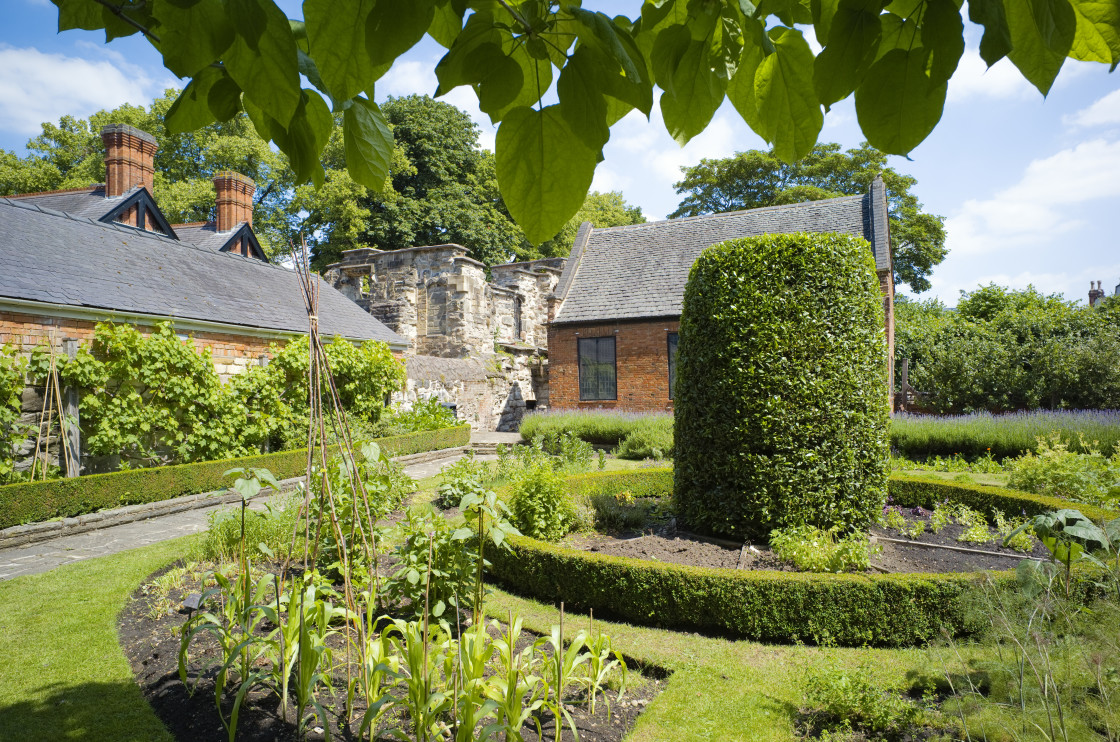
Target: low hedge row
36 501
911 491
853 610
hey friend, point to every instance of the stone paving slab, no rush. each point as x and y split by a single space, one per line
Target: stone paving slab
46 555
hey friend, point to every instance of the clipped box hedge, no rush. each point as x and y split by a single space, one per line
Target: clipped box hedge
852 610
781 391
35 501
910 491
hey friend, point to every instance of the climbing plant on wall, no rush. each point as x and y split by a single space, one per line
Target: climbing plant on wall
12 368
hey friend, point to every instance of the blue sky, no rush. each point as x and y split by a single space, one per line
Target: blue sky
1030 188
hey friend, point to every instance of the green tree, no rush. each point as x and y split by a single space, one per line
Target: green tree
602 210
441 188
896 59
1003 350
757 178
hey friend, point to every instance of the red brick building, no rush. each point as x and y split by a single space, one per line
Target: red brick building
69 259
612 340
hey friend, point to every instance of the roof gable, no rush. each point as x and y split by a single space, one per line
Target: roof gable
640 270
58 259
148 214
240 241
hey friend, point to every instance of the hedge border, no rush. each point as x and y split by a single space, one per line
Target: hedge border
30 502
850 610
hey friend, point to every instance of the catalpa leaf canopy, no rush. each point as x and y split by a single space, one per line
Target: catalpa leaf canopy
896 57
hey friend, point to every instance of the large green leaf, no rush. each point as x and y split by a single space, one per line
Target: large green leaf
695 94
336 35
368 143
191 110
1042 34
580 89
788 110
116 18
498 76
943 35
262 58
671 45
740 89
616 42
853 42
533 81
447 22
897 105
395 26
1098 31
305 137
898 33
544 170
83 14
457 67
996 42
193 33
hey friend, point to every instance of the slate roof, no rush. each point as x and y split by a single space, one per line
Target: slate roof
88 202
639 271
204 235
50 256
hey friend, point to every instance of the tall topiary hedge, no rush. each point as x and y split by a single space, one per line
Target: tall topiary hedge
781 393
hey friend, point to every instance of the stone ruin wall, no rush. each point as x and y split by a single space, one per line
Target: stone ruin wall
440 300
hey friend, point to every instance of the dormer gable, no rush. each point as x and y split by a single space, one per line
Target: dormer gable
241 240
138 209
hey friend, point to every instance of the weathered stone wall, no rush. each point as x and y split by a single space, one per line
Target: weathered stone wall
489 394
477 344
441 302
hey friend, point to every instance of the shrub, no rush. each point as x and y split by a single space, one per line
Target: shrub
649 442
812 550
35 501
426 415
781 403
977 436
622 511
598 427
1059 472
12 368
845 700
540 507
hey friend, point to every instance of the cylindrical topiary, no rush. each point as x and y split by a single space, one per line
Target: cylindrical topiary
781 392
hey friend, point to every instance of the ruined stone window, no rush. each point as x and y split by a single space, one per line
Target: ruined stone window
597 370
672 362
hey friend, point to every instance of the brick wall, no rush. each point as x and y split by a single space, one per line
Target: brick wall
641 363
232 354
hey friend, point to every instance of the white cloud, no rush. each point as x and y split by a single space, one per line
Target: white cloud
1104 111
409 77
1001 81
1042 205
37 87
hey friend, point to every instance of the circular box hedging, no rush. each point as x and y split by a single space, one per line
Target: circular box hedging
851 610
781 393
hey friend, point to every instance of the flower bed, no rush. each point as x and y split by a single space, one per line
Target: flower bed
849 609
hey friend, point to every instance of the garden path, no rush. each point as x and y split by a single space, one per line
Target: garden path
46 555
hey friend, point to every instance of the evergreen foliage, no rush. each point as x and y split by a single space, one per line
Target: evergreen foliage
781 398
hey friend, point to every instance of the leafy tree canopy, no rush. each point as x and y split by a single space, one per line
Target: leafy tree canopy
755 178
1003 350
895 56
441 188
602 210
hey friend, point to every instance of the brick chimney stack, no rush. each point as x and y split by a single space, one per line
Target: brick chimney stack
235 199
1096 293
129 156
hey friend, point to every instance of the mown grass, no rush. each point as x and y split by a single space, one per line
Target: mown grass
975 436
64 676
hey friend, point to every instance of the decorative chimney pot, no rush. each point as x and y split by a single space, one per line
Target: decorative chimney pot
235 199
129 159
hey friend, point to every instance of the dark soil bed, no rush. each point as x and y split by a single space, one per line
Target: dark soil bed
670 545
149 628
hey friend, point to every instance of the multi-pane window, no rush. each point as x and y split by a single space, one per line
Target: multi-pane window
597 371
672 362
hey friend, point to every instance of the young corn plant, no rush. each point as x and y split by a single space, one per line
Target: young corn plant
562 669
233 626
378 673
517 690
602 661
314 660
427 699
467 664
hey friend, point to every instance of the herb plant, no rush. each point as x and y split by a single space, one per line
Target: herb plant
815 550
